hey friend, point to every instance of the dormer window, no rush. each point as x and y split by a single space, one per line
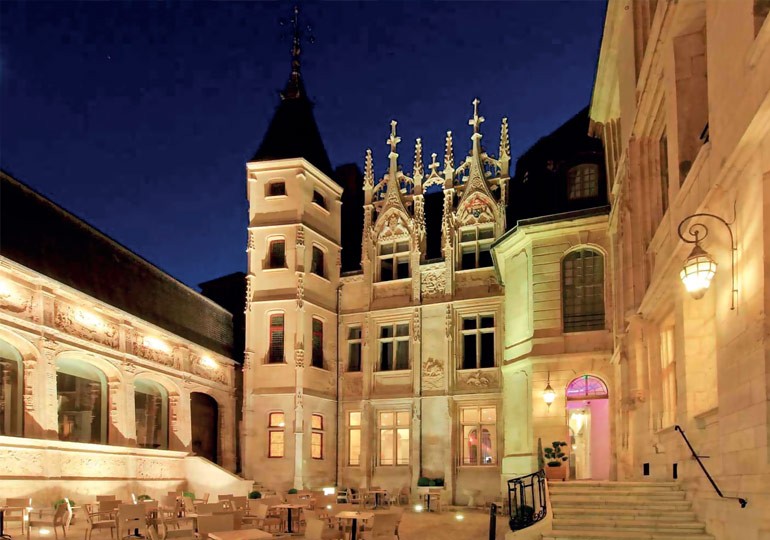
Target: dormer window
319 199
276 189
474 246
394 260
276 256
583 181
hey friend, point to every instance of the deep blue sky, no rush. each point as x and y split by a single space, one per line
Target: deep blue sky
139 117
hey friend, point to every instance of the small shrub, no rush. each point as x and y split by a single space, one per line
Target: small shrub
553 454
292 491
144 498
438 482
62 501
255 495
423 481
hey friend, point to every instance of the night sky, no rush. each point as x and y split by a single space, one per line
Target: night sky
139 117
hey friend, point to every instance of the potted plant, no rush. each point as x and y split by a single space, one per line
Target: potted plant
423 481
554 458
144 498
255 495
292 491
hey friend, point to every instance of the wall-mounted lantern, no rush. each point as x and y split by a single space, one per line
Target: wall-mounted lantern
548 394
700 267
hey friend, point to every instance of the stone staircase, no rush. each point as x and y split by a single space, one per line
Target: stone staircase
588 510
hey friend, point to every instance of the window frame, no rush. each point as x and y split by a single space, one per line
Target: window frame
271 327
313 265
317 347
354 428
579 186
477 243
394 429
359 343
317 432
318 196
274 429
572 294
478 331
479 425
394 339
274 184
395 257
272 261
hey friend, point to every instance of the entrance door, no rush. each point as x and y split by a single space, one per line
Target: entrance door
205 426
589 424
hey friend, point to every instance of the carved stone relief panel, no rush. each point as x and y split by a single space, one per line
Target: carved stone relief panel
433 374
433 283
478 379
68 319
17 300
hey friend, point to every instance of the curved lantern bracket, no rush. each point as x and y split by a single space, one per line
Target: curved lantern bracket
692 230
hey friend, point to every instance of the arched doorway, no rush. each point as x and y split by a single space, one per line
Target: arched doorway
11 370
151 414
81 391
588 420
204 412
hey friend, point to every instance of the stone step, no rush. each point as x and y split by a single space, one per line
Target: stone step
609 490
625 535
598 505
644 525
618 494
626 514
610 484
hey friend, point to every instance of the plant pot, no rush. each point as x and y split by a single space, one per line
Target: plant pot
556 473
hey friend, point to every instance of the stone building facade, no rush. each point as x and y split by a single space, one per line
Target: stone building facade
97 398
682 104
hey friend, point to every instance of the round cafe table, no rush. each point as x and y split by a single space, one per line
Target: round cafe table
289 508
354 517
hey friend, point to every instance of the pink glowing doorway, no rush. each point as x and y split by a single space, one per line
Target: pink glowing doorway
589 427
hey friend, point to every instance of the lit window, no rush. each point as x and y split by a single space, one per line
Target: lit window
275 353
276 424
583 291
394 347
583 181
354 438
317 265
276 257
586 387
394 437
151 414
394 260
11 369
668 376
478 333
319 199
474 246
479 435
318 343
81 391
317 437
354 348
276 189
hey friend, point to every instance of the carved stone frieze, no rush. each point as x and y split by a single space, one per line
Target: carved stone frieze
433 374
478 379
97 330
17 300
153 354
216 373
433 283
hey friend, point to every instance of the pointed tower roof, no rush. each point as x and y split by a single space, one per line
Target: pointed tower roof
293 131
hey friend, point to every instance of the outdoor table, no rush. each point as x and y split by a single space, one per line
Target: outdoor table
427 492
377 493
289 508
354 516
2 524
242 534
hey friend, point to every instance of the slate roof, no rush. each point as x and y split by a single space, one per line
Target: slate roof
38 234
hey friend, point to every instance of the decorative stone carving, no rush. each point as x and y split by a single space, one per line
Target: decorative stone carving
17 300
129 366
416 329
248 359
249 291
155 355
113 392
433 374
299 356
300 236
251 243
173 405
478 379
29 389
101 331
216 373
300 290
448 322
433 283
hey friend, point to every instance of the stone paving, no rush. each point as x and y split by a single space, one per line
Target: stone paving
414 526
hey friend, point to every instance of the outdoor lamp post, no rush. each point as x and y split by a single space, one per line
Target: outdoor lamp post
700 267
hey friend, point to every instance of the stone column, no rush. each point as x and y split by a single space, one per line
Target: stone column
519 455
48 415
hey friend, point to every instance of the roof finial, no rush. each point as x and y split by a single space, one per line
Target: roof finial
294 86
449 156
476 120
433 164
418 166
368 170
505 144
393 140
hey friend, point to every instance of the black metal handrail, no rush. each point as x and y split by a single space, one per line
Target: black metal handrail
526 500
741 501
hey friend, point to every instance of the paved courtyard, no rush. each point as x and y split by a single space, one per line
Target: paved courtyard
415 526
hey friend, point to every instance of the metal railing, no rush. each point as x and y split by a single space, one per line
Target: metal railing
526 500
741 501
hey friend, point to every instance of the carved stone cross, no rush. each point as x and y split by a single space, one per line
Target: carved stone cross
476 120
434 164
393 140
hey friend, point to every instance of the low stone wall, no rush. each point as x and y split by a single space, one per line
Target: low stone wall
48 470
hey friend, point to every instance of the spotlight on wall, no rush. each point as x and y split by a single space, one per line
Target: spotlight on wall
208 362
157 344
88 319
549 396
700 267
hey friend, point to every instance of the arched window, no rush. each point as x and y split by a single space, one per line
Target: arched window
275 344
583 181
81 391
11 371
276 254
586 387
204 411
151 407
583 291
